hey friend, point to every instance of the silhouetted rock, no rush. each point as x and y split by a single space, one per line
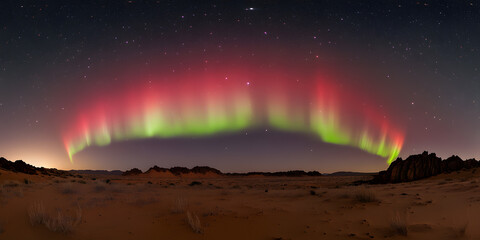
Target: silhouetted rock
421 166
133 171
156 169
453 163
179 170
205 170
22 167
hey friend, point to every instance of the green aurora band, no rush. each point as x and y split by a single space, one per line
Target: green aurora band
203 108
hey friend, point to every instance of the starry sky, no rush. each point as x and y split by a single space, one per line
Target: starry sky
414 63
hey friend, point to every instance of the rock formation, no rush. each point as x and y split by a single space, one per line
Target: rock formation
421 166
22 167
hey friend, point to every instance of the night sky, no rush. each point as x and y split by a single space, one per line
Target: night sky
236 83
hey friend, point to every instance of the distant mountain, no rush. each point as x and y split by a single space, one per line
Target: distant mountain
294 173
99 172
177 171
343 173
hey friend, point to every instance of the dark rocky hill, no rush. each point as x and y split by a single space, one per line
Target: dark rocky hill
421 166
22 167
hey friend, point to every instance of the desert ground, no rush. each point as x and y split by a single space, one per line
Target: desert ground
192 206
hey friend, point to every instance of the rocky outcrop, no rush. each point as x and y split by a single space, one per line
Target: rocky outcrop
22 167
205 170
156 169
133 171
421 166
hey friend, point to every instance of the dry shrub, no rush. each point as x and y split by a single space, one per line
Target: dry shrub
64 223
99 187
11 188
399 224
460 231
180 205
11 184
60 222
68 188
37 213
194 222
364 195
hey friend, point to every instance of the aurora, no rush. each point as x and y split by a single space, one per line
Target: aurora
203 105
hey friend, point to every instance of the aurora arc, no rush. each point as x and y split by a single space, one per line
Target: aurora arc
208 105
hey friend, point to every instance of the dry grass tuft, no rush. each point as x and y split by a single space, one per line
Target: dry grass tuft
99 187
68 188
60 222
11 188
399 225
180 205
364 195
194 222
64 223
37 213
460 231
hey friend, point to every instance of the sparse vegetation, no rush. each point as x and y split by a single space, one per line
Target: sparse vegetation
10 188
180 205
194 183
399 225
59 222
67 189
364 195
194 222
82 182
99 188
460 231
37 213
313 193
11 184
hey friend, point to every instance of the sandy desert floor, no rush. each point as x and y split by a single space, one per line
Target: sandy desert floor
165 207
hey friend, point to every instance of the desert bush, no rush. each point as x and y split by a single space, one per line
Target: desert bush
60 222
37 213
194 222
67 189
364 195
10 188
99 188
82 182
64 223
11 184
194 183
399 225
180 205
